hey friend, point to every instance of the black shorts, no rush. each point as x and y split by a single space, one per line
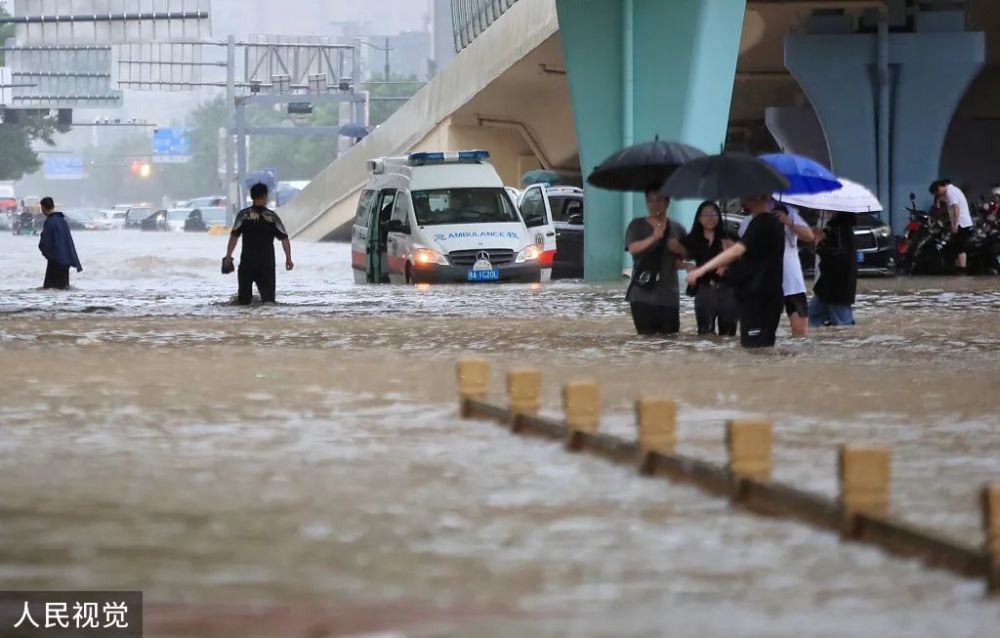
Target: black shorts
651 320
960 241
759 320
797 304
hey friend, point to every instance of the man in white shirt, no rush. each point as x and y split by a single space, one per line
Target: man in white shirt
960 215
793 281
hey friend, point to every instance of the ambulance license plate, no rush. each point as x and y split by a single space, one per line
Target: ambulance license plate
484 275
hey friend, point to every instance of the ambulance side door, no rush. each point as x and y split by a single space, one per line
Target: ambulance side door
537 215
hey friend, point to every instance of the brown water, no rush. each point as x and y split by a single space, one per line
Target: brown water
299 470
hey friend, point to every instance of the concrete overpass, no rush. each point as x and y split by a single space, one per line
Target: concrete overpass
522 90
487 97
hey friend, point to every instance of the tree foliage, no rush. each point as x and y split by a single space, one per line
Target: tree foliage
382 109
17 157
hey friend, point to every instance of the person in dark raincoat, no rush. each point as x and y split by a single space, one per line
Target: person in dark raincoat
57 247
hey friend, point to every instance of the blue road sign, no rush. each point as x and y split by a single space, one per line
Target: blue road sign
64 167
171 145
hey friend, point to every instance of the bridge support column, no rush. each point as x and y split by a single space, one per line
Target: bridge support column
672 65
929 75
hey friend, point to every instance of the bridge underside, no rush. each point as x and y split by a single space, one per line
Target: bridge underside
548 85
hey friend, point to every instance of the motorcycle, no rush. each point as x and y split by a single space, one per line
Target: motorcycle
983 248
24 224
927 247
923 249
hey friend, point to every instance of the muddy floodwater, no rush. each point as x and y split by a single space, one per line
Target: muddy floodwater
299 469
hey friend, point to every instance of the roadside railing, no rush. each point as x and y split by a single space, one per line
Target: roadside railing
472 17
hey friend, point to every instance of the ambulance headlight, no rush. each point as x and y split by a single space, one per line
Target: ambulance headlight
529 253
426 257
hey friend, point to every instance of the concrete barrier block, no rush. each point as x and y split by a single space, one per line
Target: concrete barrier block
524 387
473 378
581 405
748 442
657 422
864 478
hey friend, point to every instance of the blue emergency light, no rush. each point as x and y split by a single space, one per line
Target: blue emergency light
425 157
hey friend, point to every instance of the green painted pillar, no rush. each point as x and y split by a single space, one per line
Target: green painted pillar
681 72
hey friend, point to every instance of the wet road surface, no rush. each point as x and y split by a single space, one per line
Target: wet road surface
298 470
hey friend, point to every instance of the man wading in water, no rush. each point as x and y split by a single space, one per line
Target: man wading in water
259 227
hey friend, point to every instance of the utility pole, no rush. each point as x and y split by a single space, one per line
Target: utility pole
232 193
387 49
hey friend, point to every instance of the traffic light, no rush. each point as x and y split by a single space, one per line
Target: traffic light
141 168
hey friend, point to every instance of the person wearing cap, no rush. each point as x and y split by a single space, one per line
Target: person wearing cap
56 245
755 268
259 227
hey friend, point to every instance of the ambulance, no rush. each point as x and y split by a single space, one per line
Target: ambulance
440 217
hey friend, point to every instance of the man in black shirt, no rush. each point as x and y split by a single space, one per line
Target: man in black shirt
259 227
756 274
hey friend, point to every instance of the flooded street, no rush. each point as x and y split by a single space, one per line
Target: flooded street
300 470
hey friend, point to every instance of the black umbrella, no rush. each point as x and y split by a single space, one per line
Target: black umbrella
636 167
351 129
725 176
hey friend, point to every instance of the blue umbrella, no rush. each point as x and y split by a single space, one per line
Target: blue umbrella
805 176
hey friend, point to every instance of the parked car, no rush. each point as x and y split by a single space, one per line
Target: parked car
155 222
135 215
114 217
176 218
564 206
86 219
214 216
204 202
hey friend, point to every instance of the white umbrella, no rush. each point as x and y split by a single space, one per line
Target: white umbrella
851 198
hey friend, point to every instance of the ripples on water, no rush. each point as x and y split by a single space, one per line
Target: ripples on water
307 454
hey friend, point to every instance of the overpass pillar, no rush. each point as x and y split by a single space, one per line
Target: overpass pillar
639 68
929 75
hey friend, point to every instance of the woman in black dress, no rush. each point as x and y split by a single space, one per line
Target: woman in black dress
714 301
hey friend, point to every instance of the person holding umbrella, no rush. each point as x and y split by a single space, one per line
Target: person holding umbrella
654 242
755 268
755 262
794 281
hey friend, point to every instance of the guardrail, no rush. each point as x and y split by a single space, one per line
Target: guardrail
858 514
472 17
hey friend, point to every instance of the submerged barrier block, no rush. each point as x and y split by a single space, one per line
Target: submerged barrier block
524 387
473 377
473 380
581 407
863 471
991 523
656 419
748 442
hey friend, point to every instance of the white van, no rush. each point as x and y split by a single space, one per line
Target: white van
437 218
